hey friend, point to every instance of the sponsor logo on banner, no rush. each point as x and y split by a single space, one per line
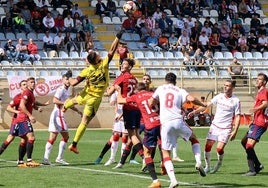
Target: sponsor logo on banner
44 86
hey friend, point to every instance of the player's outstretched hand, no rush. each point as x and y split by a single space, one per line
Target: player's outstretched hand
119 34
69 74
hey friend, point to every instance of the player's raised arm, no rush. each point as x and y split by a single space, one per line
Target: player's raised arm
114 45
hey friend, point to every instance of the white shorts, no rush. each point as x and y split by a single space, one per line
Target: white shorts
57 122
170 132
119 126
218 134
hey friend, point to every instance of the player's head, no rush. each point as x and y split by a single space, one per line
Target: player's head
127 65
228 87
23 85
93 57
146 79
65 80
203 98
31 83
261 80
171 78
141 86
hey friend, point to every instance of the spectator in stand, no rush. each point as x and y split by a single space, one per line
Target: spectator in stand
43 11
187 8
78 25
49 23
69 23
151 22
252 42
36 23
176 8
152 42
232 43
207 20
252 7
123 52
179 25
207 29
209 61
129 24
145 31
41 3
26 14
48 42
22 49
199 60
243 9
141 6
172 40
224 15
19 24
111 7
2 55
89 43
54 13
163 41
59 41
188 61
242 44
194 36
214 42
87 24
157 14
14 11
76 9
236 70
197 8
151 7
190 22
187 28
262 43
224 32
255 23
237 24
79 41
69 43
10 50
262 30
7 23
101 9
59 23
33 50
216 29
159 4
233 7
139 23
183 42
157 30
203 41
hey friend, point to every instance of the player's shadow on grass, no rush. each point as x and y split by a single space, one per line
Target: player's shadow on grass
224 184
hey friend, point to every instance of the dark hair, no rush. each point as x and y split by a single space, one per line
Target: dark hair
131 62
30 78
171 78
91 57
148 76
233 82
264 76
141 86
22 82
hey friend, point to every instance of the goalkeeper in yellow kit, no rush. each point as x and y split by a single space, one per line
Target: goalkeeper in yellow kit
96 75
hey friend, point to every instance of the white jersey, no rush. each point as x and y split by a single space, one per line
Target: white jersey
119 109
171 99
57 121
226 109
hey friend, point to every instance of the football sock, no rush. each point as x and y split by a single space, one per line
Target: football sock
138 148
251 155
133 154
150 166
174 152
125 154
106 147
197 152
114 147
62 147
207 159
29 148
170 169
4 146
22 151
79 133
48 148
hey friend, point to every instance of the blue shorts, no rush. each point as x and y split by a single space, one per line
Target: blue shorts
142 128
24 128
255 132
151 137
14 130
132 119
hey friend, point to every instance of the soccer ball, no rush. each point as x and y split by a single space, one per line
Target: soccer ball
129 7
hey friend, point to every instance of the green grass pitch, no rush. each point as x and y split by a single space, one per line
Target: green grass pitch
83 173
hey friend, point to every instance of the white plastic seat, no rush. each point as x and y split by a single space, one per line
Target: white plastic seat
247 21
185 73
70 63
248 55
54 73
37 63
27 63
60 10
132 46
21 35
59 63
103 53
10 36
32 73
149 54
135 37
11 73
205 13
120 12
22 73
63 54
257 55
5 63
93 3
238 55
159 55
265 55
214 13
218 55
80 63
121 3
146 63
228 55
116 20
138 54
32 35
193 74
162 73
224 74
167 63
2 37
169 55
126 37
156 63
179 55
254 73
74 54
265 20
43 54
106 20
40 36
168 11
83 54
153 73
203 74
43 73
48 63
260 12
